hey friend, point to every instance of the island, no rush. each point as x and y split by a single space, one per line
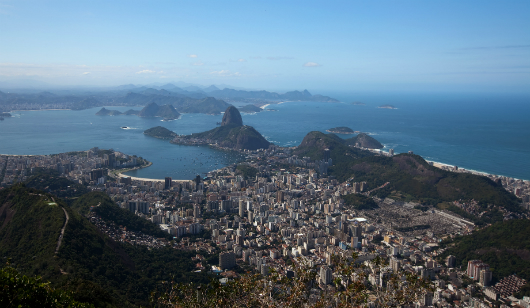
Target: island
358 104
341 130
250 109
131 112
232 134
5 115
160 133
106 112
387 107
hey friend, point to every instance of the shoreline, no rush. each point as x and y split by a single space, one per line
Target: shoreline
440 165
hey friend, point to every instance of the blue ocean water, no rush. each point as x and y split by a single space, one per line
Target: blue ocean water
488 133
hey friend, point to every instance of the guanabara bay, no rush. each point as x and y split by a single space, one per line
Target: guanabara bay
256 154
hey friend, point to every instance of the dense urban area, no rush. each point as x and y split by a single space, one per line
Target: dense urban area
275 211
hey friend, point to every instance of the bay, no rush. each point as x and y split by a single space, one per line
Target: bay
487 133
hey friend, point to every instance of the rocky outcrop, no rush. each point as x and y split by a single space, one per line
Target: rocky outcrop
232 117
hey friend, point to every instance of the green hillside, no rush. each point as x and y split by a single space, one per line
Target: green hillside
410 177
97 269
160 132
505 246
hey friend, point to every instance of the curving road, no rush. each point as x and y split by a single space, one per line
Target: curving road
62 231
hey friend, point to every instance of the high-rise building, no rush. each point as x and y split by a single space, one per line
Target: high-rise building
196 211
485 277
168 181
450 261
241 208
326 276
227 260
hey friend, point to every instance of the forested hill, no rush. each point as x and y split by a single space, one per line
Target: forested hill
410 178
90 264
505 246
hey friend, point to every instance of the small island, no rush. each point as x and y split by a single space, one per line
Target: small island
250 109
131 112
160 133
387 107
341 130
358 104
106 112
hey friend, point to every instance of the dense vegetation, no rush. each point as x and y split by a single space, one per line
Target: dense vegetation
410 178
359 202
51 181
22 291
236 137
95 268
110 212
505 246
364 141
341 130
247 171
160 132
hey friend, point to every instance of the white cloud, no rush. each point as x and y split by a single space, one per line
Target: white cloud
311 64
225 73
198 63
241 60
192 56
145 72
86 73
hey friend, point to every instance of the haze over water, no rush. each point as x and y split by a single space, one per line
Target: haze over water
478 132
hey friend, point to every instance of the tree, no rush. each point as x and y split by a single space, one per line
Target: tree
350 288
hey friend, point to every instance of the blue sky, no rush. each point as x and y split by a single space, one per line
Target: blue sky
476 46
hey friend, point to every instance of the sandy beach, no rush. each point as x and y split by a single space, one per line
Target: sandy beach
121 175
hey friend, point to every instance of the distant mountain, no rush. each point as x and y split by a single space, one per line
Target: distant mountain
208 105
211 88
233 134
106 112
292 96
164 111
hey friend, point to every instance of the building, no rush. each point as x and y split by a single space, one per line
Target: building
326 275
241 208
168 181
450 261
227 260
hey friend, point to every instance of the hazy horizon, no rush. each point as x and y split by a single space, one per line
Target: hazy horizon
449 46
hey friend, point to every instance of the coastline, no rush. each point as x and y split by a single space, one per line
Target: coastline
460 168
119 174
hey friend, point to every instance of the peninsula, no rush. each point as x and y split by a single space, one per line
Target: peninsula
232 134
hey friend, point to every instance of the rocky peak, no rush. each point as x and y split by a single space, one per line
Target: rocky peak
232 116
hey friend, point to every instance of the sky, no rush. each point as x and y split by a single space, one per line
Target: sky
476 46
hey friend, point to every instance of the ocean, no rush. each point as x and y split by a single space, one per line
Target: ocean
486 133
